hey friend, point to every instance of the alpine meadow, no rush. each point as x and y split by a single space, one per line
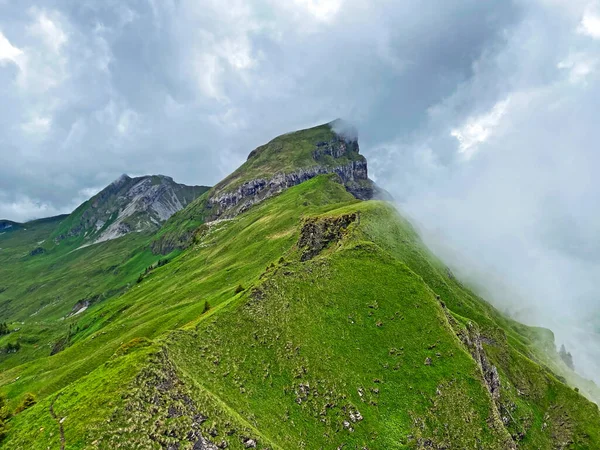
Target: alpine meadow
299 225
290 306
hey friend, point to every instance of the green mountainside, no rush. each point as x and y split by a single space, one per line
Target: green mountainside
51 271
297 313
284 162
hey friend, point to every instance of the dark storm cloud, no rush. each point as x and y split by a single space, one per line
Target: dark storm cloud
101 88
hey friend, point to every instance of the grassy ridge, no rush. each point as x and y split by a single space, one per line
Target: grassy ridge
265 346
327 357
283 155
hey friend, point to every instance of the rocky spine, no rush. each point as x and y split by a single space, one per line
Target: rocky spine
353 175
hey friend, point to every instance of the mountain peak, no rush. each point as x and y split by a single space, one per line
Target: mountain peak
290 159
127 205
344 129
285 161
124 178
118 182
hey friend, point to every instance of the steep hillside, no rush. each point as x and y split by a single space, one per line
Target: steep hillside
284 162
45 287
127 205
310 319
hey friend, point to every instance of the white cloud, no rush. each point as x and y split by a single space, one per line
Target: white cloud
107 114
76 134
230 120
580 66
48 30
37 125
208 71
44 64
238 53
126 15
477 130
25 208
427 159
324 10
127 121
590 24
220 45
8 52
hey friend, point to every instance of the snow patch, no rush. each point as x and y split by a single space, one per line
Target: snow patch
79 311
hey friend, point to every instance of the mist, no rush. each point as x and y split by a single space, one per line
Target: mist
508 194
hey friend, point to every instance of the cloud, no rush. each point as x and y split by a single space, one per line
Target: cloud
8 52
51 34
590 24
520 211
208 70
579 67
477 130
127 121
324 10
26 208
37 125
43 64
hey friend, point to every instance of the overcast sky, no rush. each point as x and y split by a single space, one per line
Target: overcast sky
480 117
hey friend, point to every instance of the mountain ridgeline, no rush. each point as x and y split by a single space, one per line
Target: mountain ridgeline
8 225
286 161
127 205
287 307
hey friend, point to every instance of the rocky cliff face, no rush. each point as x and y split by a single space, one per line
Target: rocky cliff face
284 162
336 156
128 205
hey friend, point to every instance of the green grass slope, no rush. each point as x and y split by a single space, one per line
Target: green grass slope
47 284
320 357
43 294
286 154
312 320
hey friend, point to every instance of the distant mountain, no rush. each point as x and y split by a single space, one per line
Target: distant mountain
9 225
127 205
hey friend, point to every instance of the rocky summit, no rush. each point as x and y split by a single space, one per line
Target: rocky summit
287 307
336 154
284 162
127 205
